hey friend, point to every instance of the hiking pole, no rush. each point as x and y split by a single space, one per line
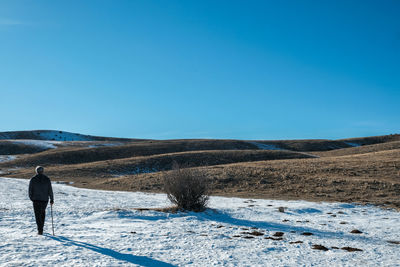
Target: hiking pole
52 224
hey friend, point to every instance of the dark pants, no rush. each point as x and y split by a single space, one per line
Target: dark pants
40 213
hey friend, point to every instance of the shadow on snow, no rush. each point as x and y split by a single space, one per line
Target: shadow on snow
224 217
140 260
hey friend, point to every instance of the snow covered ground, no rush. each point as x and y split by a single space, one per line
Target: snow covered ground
101 228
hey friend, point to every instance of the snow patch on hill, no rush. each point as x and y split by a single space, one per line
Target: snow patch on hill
266 146
63 136
4 158
38 143
103 228
352 144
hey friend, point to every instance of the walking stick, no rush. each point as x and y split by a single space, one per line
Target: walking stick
52 224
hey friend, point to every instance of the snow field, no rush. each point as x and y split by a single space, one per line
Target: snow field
101 228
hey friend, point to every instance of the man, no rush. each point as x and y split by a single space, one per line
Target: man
40 191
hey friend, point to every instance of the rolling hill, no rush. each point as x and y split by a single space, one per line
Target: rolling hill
364 170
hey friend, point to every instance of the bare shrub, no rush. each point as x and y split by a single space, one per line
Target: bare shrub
187 188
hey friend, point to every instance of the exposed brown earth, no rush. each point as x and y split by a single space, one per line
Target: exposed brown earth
320 247
324 170
350 249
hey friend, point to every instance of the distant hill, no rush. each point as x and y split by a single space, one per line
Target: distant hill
311 145
364 169
53 135
371 140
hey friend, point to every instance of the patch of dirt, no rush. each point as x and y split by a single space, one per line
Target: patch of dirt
307 233
350 249
278 234
320 247
256 233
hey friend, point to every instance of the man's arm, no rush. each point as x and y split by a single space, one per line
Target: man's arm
51 193
30 190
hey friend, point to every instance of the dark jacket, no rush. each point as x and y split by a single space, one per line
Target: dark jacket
40 188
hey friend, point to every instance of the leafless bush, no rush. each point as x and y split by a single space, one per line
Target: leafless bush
187 188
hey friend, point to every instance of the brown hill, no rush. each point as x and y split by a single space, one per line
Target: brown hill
161 162
306 145
68 155
311 145
10 148
373 139
365 170
55 135
367 178
360 150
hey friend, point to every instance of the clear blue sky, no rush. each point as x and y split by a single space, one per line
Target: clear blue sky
201 69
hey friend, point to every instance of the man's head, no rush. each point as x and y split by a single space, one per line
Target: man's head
39 170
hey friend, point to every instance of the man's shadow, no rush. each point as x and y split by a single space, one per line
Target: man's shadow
139 260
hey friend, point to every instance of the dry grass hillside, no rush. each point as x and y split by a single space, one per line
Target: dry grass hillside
360 149
160 162
373 139
367 178
10 148
364 170
76 155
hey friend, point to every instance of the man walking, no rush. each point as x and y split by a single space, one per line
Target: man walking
40 191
